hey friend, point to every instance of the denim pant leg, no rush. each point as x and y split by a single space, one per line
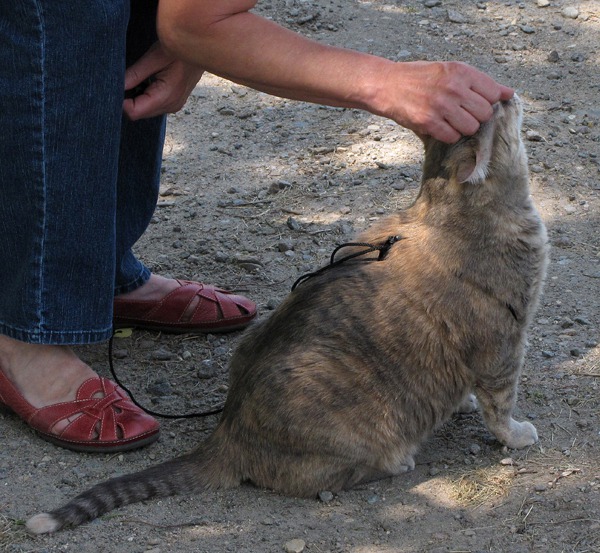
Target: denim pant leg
61 82
139 161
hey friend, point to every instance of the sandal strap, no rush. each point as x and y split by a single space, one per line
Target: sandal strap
212 305
110 418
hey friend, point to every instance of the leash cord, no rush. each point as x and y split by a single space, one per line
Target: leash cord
214 411
383 250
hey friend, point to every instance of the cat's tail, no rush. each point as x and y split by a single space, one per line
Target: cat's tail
196 471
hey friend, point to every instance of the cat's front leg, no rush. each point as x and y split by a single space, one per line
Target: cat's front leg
497 406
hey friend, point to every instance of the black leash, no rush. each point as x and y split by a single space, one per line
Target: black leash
214 411
383 250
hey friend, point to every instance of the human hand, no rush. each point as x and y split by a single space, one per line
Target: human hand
445 100
171 81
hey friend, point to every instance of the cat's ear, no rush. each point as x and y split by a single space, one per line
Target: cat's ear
472 163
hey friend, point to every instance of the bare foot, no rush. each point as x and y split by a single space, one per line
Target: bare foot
155 288
44 374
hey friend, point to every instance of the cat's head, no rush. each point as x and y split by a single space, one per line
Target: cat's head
494 154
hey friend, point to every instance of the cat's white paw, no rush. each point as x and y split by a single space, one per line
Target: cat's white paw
520 435
468 405
405 464
409 464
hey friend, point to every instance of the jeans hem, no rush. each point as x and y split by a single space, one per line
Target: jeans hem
57 338
141 279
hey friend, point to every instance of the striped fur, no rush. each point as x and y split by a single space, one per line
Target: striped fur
360 363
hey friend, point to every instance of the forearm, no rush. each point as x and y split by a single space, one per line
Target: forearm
270 58
444 100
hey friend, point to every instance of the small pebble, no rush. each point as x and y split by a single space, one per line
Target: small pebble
533 136
553 56
120 353
249 266
207 369
221 257
475 449
160 387
570 12
285 245
456 17
272 304
293 224
540 487
325 496
294 546
567 323
582 321
507 462
162 355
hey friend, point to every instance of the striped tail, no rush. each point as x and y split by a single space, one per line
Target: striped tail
192 472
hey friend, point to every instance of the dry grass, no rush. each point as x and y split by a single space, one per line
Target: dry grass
10 533
476 487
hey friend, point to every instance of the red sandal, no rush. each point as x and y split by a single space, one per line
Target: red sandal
191 308
105 424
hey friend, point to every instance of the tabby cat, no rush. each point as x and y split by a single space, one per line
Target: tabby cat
363 361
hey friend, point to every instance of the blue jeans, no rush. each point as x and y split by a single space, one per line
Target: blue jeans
78 182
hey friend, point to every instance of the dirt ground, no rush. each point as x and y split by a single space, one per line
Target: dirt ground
257 191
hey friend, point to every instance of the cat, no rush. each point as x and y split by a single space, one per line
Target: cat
361 362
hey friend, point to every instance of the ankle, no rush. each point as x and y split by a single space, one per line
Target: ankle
155 288
44 374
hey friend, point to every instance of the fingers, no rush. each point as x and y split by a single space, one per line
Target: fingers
467 100
454 117
492 91
139 107
156 99
149 64
506 93
167 91
442 131
463 122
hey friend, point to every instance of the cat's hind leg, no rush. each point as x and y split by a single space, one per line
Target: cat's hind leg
364 474
468 405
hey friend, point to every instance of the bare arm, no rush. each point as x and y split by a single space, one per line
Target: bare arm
444 100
